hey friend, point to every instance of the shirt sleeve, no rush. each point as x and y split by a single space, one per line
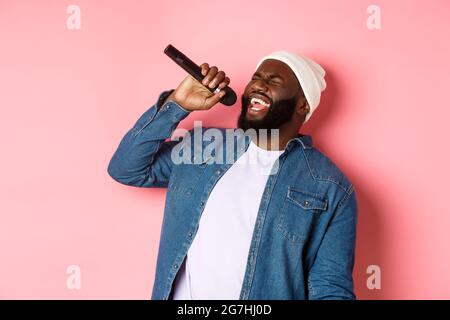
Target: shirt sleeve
143 157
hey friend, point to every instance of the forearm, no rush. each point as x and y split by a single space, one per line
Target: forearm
139 159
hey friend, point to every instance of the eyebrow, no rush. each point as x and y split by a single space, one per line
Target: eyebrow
271 76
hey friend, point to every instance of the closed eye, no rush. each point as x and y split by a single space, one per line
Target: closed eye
277 80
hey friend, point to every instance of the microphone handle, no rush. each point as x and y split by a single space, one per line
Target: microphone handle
196 72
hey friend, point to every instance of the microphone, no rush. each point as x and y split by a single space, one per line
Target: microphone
196 72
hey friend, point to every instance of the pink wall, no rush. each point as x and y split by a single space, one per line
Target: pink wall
68 96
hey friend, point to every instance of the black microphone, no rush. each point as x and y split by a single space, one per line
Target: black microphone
196 72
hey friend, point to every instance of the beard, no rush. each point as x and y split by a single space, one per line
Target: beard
278 114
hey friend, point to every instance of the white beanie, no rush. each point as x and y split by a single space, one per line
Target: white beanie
309 73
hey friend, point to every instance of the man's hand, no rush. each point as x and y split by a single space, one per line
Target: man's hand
193 95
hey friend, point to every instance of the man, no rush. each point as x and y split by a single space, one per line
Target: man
282 229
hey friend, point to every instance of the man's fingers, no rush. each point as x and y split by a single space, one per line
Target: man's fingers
215 98
224 83
217 79
211 74
205 68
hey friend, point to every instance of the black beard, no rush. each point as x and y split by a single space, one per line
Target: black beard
279 113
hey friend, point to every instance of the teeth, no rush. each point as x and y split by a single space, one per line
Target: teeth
257 100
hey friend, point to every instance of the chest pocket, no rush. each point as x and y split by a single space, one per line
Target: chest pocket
298 213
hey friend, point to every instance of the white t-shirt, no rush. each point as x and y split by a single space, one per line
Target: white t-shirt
215 264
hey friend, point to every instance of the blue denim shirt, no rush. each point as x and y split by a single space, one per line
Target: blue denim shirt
303 243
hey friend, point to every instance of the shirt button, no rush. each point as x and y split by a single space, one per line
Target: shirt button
190 234
306 203
218 172
175 266
201 204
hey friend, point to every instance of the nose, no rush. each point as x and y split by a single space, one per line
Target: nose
260 85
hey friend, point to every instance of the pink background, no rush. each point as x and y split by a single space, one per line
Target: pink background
68 96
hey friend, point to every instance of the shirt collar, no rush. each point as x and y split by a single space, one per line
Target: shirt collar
304 140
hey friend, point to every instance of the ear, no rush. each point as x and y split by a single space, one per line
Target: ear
302 107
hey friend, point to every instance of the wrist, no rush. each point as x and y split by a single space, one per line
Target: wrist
172 97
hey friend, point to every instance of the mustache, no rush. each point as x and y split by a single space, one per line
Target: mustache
247 97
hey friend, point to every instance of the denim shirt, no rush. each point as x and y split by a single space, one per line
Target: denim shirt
303 242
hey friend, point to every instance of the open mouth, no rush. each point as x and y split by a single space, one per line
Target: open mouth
259 103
